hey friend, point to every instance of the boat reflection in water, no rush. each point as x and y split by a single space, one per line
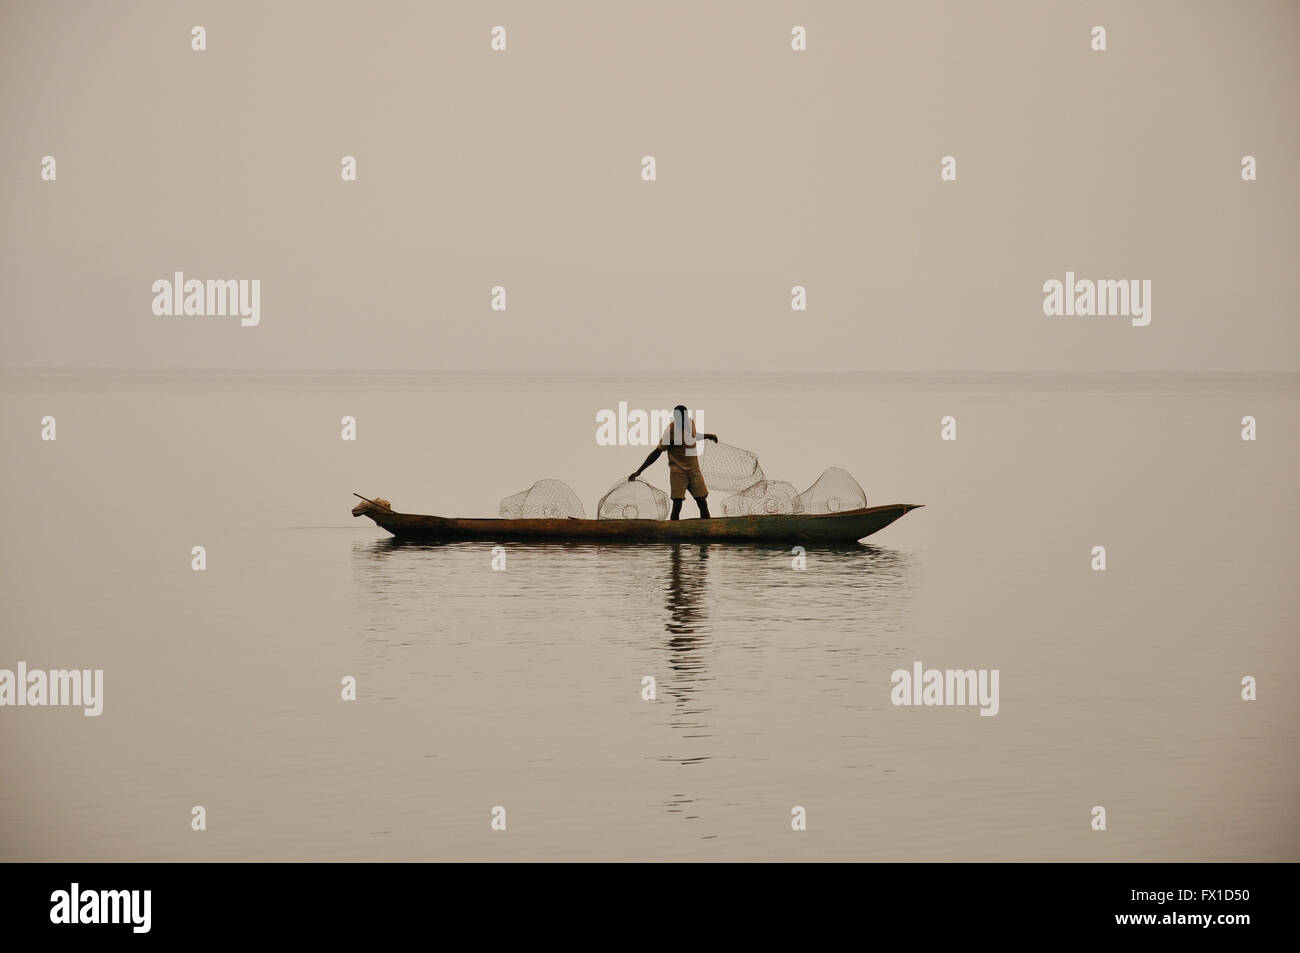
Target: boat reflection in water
750 603
789 642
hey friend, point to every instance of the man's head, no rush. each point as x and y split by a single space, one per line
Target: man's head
683 427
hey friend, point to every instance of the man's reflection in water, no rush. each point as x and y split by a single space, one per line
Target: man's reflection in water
687 626
687 582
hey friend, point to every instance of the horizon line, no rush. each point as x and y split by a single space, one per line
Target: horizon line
12 369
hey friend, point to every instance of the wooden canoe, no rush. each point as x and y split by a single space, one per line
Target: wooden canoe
822 528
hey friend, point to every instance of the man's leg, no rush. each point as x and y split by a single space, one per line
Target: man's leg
677 490
700 492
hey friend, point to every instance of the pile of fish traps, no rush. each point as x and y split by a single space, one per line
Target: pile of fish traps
724 467
730 468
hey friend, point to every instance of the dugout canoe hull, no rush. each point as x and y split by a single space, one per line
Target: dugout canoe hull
843 527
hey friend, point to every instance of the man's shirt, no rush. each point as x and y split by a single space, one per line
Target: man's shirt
683 455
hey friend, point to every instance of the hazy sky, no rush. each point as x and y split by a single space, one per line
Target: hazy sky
775 168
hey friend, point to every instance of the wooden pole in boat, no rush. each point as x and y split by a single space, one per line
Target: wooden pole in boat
360 497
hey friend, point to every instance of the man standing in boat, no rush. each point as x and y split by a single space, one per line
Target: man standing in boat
683 462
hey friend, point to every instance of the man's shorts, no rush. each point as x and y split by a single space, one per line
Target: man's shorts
679 483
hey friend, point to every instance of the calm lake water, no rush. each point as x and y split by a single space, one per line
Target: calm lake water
523 688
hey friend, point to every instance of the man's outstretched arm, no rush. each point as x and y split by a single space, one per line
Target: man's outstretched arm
654 455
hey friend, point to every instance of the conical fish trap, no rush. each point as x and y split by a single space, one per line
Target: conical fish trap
725 467
636 500
764 498
834 492
545 499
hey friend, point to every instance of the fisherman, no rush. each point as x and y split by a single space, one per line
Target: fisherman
683 462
